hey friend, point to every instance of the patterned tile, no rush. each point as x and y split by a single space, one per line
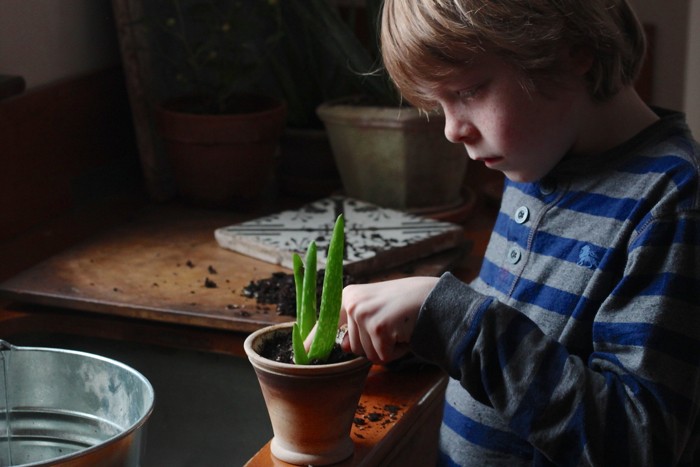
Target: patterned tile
376 237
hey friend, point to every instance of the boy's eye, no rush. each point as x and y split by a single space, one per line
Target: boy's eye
470 93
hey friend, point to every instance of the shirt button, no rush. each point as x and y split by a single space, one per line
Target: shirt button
514 255
548 186
522 215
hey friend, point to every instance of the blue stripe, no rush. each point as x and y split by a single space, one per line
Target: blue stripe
676 345
460 350
569 249
659 285
600 205
444 460
555 300
496 277
530 189
546 297
566 249
663 233
506 227
554 246
485 436
680 170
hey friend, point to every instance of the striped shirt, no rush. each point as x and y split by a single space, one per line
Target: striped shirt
579 342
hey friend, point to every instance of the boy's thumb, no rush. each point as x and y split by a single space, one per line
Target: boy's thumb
310 338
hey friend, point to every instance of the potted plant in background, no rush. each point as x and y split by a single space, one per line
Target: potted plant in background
308 72
312 398
219 125
387 152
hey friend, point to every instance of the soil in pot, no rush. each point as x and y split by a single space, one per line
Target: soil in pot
279 349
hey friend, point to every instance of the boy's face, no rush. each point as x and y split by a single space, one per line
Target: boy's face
522 134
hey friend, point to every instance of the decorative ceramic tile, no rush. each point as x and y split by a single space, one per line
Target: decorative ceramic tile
375 238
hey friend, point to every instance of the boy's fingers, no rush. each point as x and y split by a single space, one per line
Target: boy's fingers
342 332
310 338
342 337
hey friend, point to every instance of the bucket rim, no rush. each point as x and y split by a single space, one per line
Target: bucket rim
126 432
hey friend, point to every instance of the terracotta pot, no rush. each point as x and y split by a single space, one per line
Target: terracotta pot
222 160
394 157
311 407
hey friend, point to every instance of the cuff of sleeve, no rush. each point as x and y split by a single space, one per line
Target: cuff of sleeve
445 322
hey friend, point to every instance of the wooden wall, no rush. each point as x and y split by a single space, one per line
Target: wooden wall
63 148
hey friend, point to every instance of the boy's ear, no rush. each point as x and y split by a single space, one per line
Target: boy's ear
580 59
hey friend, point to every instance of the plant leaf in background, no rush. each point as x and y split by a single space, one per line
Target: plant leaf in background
304 51
212 49
328 52
323 20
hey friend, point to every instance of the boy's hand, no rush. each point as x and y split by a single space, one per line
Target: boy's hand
380 317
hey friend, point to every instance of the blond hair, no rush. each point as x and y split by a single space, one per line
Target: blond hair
424 40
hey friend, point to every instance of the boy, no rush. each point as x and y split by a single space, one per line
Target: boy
579 342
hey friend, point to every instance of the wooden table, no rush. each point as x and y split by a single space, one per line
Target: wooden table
165 266
145 280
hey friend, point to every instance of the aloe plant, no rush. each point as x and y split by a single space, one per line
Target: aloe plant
329 312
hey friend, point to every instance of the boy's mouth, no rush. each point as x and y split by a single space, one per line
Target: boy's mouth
490 161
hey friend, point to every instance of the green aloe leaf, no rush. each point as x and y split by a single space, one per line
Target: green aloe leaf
300 356
308 299
298 283
331 296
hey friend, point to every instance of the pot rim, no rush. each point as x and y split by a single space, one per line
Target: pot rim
264 105
350 109
302 370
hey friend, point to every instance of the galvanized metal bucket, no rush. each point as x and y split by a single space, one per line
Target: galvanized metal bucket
69 408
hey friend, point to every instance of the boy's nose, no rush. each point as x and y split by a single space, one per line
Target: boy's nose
460 130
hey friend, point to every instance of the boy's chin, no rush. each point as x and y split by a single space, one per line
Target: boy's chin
519 177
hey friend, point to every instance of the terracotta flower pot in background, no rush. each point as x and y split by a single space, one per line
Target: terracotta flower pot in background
311 407
223 160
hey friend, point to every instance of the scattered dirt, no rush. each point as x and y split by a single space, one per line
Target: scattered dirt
279 349
382 416
279 290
